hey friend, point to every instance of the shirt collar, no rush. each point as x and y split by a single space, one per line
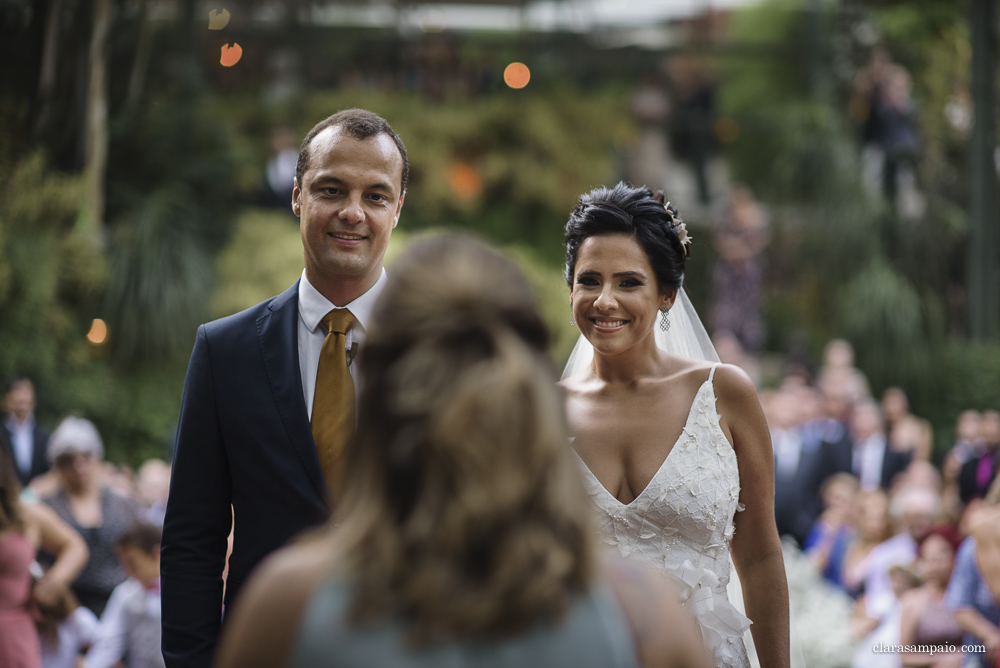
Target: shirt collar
313 306
14 426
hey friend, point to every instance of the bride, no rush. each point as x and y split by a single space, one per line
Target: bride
672 445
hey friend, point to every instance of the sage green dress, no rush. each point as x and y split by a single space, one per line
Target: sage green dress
593 633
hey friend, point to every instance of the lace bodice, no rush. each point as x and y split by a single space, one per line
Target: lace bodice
682 522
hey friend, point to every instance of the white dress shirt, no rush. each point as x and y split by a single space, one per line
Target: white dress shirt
23 440
313 307
130 627
787 452
868 456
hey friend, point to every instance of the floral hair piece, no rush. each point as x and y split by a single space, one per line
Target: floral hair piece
679 227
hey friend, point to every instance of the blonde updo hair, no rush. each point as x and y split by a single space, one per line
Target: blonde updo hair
461 507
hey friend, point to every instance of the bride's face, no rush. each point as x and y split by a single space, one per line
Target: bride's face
615 296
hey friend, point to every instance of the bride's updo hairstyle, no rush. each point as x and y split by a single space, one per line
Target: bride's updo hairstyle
639 213
461 508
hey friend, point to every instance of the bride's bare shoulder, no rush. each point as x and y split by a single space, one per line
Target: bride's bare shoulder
731 379
735 392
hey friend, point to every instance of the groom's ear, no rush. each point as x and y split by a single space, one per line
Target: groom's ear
667 298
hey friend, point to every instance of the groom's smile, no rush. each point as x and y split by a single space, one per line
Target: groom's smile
348 204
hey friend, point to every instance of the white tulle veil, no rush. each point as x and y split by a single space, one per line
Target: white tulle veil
686 337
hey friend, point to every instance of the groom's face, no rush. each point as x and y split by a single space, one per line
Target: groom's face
348 204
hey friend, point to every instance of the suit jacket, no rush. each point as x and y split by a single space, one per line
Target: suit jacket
797 502
243 439
39 452
969 486
893 463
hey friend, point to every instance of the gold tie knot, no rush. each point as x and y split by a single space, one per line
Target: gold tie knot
338 321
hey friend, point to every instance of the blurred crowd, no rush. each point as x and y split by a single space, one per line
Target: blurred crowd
856 491
79 545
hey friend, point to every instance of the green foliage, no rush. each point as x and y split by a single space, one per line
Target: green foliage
46 272
263 258
160 274
51 285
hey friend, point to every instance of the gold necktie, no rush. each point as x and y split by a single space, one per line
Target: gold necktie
333 404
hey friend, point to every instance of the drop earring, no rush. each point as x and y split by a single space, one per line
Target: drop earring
665 321
572 320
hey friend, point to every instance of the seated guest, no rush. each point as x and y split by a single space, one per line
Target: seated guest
975 607
925 620
913 511
832 532
871 530
130 625
462 535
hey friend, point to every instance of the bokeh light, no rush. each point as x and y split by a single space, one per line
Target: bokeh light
465 181
231 56
98 333
217 21
517 75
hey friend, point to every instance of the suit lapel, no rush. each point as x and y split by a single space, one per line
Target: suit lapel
278 333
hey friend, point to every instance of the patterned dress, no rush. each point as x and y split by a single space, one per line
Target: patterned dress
682 522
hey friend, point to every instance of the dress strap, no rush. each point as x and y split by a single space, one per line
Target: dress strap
711 374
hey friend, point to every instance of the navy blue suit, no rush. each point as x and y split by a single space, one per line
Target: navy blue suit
39 452
243 439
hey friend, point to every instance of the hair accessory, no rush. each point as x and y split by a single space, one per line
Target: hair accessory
665 320
680 228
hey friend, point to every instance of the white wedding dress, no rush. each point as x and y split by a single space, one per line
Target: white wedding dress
682 522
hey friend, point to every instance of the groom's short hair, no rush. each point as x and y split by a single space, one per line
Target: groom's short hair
361 125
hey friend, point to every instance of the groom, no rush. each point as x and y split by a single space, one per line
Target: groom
268 401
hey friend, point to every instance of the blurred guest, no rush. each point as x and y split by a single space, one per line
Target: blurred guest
24 442
872 513
891 140
878 623
462 534
838 376
24 528
737 278
832 533
978 473
280 170
969 595
800 464
870 458
130 625
912 511
924 618
887 574
905 431
967 444
95 512
66 630
154 485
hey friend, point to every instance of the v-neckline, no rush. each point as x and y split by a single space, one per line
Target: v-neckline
663 464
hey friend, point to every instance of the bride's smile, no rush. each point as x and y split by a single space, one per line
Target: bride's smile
615 296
